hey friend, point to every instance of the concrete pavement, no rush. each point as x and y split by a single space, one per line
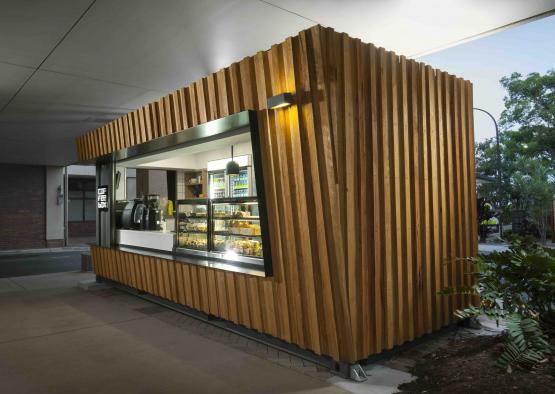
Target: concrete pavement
73 248
488 248
33 263
56 338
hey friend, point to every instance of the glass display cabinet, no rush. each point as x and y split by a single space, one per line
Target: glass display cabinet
192 224
221 228
236 227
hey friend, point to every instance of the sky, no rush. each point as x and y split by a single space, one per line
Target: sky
524 49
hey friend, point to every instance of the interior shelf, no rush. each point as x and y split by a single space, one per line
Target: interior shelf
236 218
228 234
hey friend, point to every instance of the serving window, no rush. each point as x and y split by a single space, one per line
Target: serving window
200 199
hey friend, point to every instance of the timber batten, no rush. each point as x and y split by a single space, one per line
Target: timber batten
369 191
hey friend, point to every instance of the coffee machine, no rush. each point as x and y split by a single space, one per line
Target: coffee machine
152 215
130 214
139 214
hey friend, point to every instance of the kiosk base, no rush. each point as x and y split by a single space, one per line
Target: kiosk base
344 370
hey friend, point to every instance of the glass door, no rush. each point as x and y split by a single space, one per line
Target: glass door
236 228
216 184
192 224
240 183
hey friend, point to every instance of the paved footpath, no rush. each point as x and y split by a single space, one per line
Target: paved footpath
58 338
488 248
33 263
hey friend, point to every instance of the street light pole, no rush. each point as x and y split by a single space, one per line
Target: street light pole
498 148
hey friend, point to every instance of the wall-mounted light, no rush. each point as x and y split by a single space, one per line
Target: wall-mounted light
280 101
59 195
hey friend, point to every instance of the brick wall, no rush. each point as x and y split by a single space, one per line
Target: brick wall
22 201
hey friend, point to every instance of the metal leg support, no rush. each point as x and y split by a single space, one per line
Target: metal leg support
356 373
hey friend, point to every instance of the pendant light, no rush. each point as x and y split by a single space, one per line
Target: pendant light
232 167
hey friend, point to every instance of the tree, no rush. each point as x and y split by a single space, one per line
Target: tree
530 107
533 188
527 148
487 163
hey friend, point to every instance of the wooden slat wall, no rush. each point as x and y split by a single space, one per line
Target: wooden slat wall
370 190
403 151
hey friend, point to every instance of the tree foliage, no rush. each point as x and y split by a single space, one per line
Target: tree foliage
530 109
533 184
527 149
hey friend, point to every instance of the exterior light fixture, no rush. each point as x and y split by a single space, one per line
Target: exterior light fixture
232 167
280 101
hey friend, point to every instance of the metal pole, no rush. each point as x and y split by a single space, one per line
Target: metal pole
66 202
499 182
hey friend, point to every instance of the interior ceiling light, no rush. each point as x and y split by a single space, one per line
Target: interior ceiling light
232 167
280 101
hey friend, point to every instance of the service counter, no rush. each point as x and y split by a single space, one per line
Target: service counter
159 240
254 268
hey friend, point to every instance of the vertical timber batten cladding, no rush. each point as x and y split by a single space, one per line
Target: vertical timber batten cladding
369 191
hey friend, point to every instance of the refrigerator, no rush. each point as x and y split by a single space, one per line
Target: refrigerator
221 185
216 184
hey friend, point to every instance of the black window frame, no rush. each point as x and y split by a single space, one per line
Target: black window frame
85 180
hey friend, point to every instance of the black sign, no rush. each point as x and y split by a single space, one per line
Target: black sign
102 198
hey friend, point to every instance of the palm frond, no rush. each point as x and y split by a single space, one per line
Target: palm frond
525 343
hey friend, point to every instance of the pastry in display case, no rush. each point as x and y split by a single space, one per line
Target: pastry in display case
223 228
192 241
236 227
192 224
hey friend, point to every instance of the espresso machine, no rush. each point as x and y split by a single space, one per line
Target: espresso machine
139 214
130 214
152 215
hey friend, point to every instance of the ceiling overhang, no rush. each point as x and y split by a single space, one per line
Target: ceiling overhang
69 66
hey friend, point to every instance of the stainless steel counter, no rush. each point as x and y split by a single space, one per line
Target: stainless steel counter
243 268
146 239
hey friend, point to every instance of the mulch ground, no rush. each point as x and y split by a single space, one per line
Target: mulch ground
467 366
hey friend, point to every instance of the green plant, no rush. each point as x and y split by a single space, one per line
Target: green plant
534 188
517 286
525 345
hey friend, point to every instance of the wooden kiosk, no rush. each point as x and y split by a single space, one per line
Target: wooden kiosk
368 189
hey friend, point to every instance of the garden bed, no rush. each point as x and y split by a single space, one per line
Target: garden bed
467 366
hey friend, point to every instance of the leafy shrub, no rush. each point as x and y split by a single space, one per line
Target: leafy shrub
517 286
526 240
525 345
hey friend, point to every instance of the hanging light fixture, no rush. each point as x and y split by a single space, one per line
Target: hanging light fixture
232 167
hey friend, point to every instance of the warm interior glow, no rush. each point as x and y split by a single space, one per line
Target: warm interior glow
230 255
197 156
220 164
